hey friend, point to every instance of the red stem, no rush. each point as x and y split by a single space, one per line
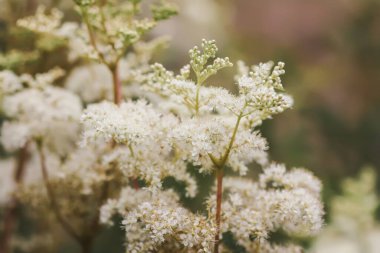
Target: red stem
116 85
117 94
219 194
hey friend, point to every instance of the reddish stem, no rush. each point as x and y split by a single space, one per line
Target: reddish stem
219 194
117 93
10 215
116 85
135 183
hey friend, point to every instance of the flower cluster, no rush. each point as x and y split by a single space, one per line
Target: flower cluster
160 225
108 137
38 111
42 21
254 210
199 139
139 127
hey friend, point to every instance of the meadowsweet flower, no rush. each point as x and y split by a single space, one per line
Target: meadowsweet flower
160 225
129 199
42 21
36 113
253 210
9 82
275 176
152 163
143 124
130 123
198 139
91 82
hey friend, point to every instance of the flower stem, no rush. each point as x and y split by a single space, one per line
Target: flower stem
65 225
219 194
10 215
117 92
197 97
219 164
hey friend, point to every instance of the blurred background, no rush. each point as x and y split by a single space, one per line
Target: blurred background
332 55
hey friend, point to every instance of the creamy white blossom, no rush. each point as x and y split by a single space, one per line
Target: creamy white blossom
130 122
38 113
91 82
160 225
42 21
130 198
253 210
198 139
9 82
143 124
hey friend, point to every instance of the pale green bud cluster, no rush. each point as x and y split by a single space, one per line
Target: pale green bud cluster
198 60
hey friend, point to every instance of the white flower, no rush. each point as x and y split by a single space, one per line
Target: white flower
131 122
9 82
252 210
91 82
130 198
37 113
162 225
42 21
276 177
197 139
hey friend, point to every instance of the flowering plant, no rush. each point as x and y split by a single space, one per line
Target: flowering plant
138 124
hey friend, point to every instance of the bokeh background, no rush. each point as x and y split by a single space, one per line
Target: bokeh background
332 55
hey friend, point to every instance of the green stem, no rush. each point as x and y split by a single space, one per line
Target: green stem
91 35
199 84
232 140
197 98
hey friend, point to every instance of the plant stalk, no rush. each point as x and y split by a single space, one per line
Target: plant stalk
117 92
219 195
219 164
65 225
10 215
